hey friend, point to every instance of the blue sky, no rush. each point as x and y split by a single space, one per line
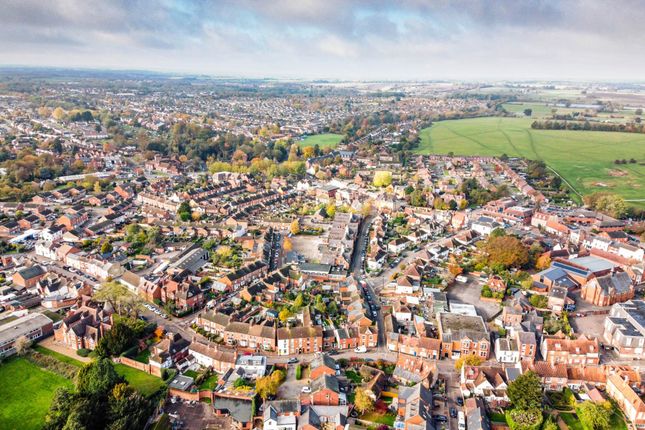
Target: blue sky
343 39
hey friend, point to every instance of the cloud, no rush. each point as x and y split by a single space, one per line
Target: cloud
354 39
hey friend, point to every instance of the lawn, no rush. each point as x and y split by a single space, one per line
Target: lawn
210 382
143 356
571 421
377 417
26 394
145 383
584 158
330 140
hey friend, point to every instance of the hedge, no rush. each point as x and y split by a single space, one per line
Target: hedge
82 352
298 372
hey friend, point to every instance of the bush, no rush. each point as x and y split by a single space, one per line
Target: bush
83 352
298 372
521 419
52 364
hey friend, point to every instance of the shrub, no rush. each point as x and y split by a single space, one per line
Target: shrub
83 352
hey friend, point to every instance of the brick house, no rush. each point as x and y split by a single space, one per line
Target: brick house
463 335
628 401
300 340
28 277
325 391
84 327
581 351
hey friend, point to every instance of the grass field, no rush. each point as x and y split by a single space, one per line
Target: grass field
146 384
26 394
543 110
330 140
583 158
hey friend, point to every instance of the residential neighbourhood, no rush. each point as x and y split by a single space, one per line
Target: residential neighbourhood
268 283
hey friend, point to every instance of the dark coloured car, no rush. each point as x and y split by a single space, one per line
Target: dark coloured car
453 412
441 418
460 401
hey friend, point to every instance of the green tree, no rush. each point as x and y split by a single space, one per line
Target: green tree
525 392
539 301
418 198
595 416
106 247
97 377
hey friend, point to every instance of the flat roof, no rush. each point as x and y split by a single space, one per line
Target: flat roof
22 326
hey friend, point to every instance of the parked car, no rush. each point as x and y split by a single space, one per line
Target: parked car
441 418
292 360
453 412
360 349
306 389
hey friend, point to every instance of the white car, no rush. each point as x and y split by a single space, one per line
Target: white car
306 389
360 349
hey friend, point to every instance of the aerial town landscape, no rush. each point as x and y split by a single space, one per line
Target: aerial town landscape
191 251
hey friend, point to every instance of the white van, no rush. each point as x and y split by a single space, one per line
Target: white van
360 349
461 421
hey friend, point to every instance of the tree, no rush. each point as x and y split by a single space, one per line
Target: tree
22 345
116 340
284 314
505 251
106 247
418 198
97 377
468 360
525 392
363 402
184 211
58 113
539 301
120 298
299 301
97 187
595 416
287 245
266 386
330 210
295 227
382 178
528 112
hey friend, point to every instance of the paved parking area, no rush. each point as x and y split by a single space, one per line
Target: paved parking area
592 325
307 246
470 293
291 388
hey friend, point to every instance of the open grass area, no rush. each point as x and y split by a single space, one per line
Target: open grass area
146 384
26 394
584 158
545 110
322 140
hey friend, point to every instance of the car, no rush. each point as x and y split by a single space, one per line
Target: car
453 412
292 360
360 349
332 352
306 389
441 418
460 401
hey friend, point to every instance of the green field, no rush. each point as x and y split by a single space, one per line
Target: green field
146 384
583 158
545 110
26 393
330 140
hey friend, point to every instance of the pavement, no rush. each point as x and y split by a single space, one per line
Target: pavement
470 293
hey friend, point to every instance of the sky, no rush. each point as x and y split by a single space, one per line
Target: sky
333 39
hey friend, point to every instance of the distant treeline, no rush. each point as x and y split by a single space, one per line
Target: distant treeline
589 126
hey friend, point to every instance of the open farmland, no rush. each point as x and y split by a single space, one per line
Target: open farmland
584 158
330 140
